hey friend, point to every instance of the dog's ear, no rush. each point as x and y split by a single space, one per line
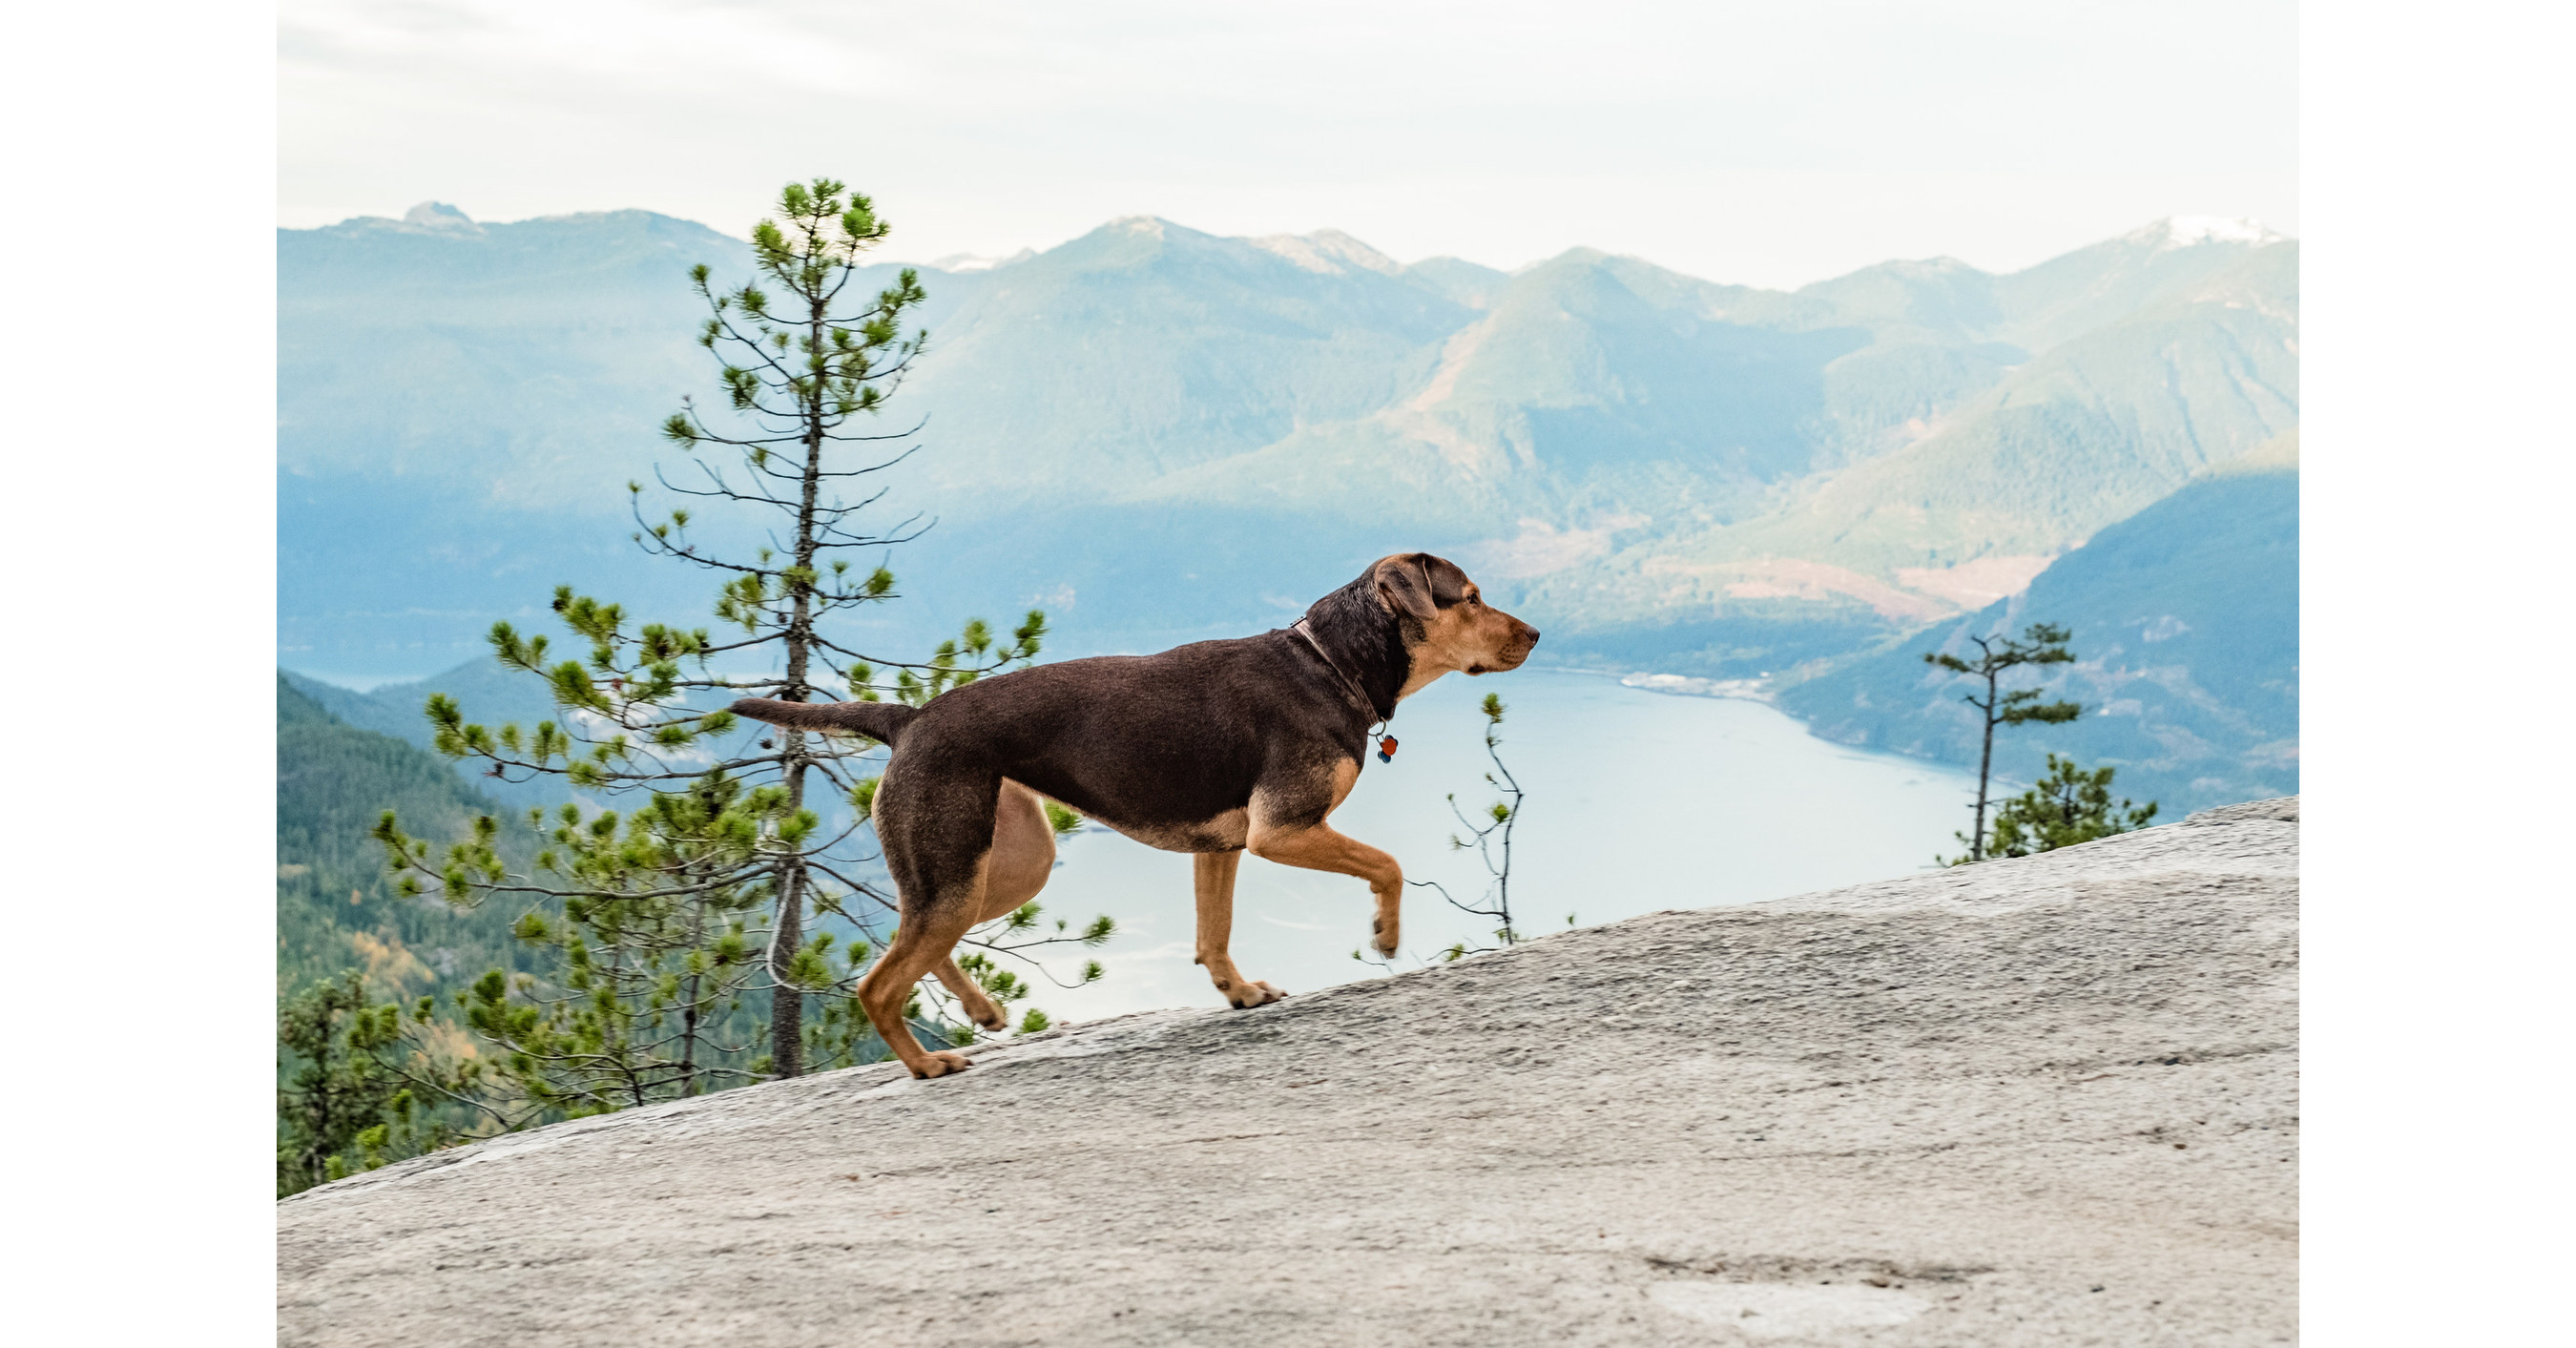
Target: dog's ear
1449 581
1405 584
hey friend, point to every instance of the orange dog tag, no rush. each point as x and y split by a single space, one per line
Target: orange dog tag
1386 749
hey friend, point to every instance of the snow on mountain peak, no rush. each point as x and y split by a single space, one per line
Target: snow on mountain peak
957 262
1328 251
2183 231
440 218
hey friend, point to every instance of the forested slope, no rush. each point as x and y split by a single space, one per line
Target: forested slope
335 909
2186 624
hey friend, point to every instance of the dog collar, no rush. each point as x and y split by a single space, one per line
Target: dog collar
1349 684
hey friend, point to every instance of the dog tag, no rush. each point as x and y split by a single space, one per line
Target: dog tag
1386 749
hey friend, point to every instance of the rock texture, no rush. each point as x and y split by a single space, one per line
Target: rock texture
2039 1101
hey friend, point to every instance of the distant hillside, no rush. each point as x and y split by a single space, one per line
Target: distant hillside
335 909
2186 620
1981 495
1161 435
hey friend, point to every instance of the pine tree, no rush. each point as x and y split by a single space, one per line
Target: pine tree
2070 805
2040 644
673 922
341 1107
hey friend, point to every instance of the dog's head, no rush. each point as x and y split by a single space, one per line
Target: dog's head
1439 619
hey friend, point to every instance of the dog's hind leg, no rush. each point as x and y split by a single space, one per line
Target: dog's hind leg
1023 851
920 946
1215 875
978 1005
1023 857
938 832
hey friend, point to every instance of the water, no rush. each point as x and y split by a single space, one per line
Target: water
1637 802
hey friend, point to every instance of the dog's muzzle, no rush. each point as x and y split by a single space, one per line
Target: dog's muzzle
1514 655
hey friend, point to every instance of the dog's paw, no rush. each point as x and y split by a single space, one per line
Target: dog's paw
939 1064
1245 996
1383 936
993 1019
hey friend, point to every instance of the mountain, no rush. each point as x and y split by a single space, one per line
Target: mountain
1159 434
1144 348
1986 491
2185 620
2067 296
489 694
335 910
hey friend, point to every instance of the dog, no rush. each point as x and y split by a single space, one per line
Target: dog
1215 748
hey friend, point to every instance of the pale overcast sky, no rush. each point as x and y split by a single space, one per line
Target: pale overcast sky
1772 143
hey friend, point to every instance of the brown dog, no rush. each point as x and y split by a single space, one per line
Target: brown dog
1215 748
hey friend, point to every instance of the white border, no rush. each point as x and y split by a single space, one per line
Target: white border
2435 455
140 357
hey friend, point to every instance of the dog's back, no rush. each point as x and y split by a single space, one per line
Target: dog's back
1144 743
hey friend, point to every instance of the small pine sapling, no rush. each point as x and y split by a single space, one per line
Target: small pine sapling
2070 805
1489 833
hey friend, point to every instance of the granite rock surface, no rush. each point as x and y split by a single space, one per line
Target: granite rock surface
2051 1100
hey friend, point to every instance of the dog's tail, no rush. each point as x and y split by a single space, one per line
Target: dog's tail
876 720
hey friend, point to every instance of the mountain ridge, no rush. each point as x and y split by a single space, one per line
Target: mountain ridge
1156 432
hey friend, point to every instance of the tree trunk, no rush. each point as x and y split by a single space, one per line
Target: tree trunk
321 1147
689 1016
787 1004
689 1043
1985 769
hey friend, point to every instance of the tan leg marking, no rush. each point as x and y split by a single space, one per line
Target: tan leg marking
1215 876
981 1009
1318 847
1012 873
1023 851
918 948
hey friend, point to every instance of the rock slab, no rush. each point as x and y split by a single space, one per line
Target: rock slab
2050 1100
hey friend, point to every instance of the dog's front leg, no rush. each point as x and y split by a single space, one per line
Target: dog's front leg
1215 876
1318 847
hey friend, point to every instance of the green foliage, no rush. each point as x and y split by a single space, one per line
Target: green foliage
362 1082
336 907
666 927
2040 644
2070 805
344 1101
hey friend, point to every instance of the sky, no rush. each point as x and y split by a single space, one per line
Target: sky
1769 144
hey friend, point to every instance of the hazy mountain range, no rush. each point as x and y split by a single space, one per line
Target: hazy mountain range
1159 434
